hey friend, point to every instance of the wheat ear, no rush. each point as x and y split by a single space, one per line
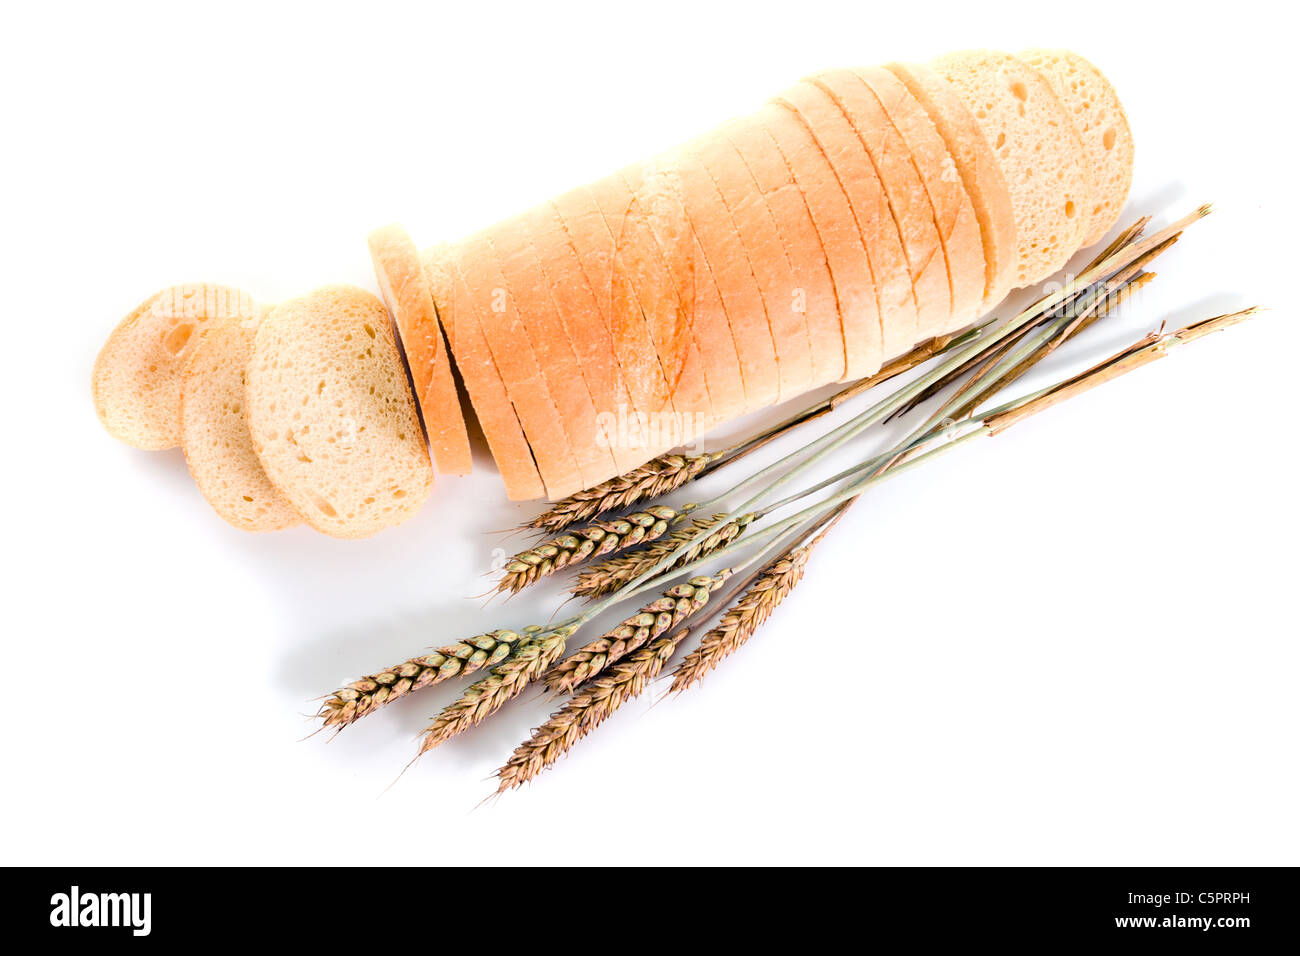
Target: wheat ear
527 661
740 621
591 541
677 604
586 710
366 695
608 576
655 478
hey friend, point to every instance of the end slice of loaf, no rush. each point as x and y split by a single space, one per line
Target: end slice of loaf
1101 123
1031 135
407 292
331 416
214 433
136 382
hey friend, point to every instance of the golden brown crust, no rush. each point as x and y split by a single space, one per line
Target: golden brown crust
407 292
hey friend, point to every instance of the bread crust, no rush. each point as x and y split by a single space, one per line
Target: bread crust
406 290
496 414
758 235
655 235
556 358
845 99
954 216
813 284
514 356
725 259
814 156
586 327
980 173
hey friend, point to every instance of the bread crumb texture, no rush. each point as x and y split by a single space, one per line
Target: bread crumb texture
215 437
331 416
136 381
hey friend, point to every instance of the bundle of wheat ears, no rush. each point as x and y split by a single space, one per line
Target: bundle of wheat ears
736 556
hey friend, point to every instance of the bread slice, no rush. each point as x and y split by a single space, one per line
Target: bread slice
848 206
556 357
767 257
514 355
487 393
847 101
588 231
214 432
407 293
954 216
1036 144
813 293
1101 123
979 171
655 246
586 328
136 382
724 258
331 416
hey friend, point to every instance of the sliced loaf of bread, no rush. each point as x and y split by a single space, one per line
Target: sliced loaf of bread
331 415
214 432
136 382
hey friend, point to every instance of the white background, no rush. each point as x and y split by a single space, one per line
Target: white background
1073 644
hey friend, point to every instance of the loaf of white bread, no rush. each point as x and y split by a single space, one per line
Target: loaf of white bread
853 216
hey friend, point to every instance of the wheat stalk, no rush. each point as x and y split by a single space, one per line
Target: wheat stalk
655 478
350 703
527 661
742 619
608 576
586 710
677 604
668 472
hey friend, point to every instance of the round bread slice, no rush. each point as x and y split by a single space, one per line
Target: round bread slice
136 382
1101 123
331 416
980 174
214 432
1041 155
407 292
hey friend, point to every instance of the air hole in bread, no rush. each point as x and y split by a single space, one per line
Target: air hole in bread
178 337
324 507
370 331
1108 138
1069 208
248 498
1019 91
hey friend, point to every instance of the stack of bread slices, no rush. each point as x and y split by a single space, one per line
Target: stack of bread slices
853 216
